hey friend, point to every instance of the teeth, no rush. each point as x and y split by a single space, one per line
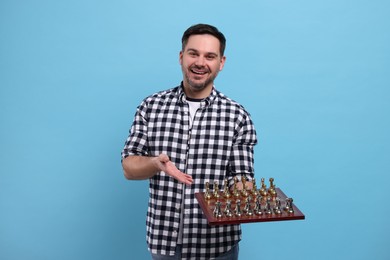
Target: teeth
199 72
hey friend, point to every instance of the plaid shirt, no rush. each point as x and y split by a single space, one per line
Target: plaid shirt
219 145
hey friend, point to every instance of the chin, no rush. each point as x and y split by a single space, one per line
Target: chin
197 87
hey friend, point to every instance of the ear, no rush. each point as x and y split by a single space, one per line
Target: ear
222 63
181 57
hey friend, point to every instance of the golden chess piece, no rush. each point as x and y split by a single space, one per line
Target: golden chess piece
226 192
271 189
236 192
244 191
263 189
254 190
207 194
216 193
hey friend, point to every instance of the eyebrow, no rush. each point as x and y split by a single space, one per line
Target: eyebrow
208 53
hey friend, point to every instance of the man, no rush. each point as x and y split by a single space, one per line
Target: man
182 138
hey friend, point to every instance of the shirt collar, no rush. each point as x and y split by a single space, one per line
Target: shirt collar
205 102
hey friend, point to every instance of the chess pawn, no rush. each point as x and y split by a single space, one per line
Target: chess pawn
271 189
289 207
228 209
263 189
237 210
268 210
273 193
254 190
216 190
247 209
257 209
226 192
236 192
277 208
244 190
207 194
217 210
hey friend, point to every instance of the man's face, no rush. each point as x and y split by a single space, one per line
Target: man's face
200 62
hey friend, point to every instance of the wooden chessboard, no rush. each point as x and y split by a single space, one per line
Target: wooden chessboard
208 207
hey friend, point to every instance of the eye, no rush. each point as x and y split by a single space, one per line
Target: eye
192 54
210 57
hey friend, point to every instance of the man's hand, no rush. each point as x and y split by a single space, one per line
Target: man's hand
165 165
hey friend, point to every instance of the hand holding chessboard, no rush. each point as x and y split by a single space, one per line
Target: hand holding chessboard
247 205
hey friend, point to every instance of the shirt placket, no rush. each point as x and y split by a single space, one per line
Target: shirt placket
188 190
185 141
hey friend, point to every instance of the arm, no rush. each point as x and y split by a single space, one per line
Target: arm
242 156
144 167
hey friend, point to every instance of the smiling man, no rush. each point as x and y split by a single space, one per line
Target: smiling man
201 59
182 138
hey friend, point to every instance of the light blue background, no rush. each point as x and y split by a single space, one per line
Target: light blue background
315 75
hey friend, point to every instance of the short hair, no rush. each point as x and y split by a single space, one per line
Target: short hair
204 29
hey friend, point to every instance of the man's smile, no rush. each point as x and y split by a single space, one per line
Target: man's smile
199 71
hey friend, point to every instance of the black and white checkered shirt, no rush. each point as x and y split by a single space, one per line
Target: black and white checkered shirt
219 145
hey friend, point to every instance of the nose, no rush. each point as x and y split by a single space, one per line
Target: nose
200 61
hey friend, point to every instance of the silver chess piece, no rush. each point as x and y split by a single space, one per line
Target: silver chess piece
267 209
237 210
289 206
257 209
277 208
228 209
247 209
217 210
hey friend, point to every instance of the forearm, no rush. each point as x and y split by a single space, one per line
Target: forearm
139 167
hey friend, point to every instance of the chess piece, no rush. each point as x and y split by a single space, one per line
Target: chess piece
207 194
268 210
237 210
271 189
263 189
226 192
257 209
277 209
236 192
254 190
247 209
217 210
228 209
244 191
289 206
216 192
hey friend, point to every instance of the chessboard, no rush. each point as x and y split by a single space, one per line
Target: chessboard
247 206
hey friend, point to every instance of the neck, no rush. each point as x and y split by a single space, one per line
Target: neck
197 93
